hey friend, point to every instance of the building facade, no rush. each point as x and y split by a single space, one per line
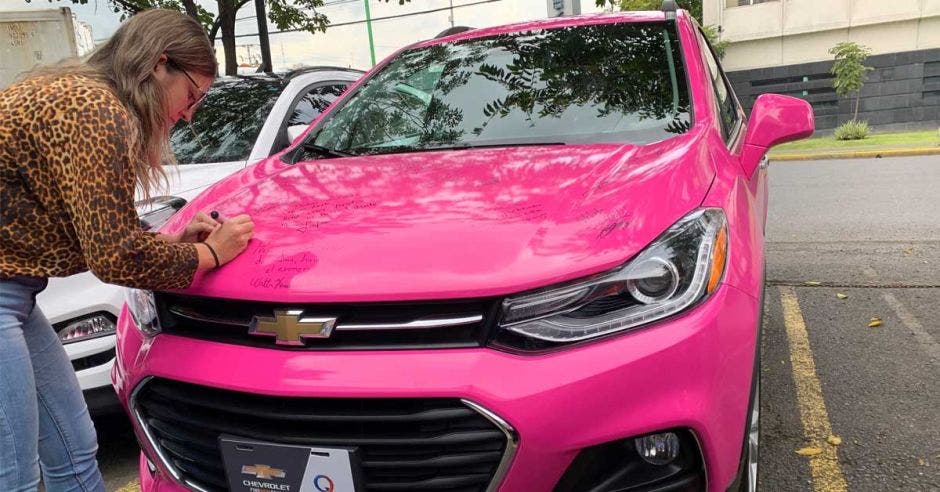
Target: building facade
783 46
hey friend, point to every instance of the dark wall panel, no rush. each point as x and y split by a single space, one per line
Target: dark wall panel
903 90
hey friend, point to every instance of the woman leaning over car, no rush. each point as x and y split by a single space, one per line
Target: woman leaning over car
74 140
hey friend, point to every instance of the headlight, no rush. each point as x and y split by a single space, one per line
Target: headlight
143 309
94 326
679 269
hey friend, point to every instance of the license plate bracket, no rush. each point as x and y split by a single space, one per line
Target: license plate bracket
260 466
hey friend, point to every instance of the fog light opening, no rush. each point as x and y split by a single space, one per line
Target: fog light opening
658 449
97 325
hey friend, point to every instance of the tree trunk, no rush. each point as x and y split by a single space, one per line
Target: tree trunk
227 17
191 10
216 24
858 95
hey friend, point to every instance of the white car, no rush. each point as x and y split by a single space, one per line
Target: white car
242 120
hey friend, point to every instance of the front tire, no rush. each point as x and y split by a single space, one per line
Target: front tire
749 480
746 478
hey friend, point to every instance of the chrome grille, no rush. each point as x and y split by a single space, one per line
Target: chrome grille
374 326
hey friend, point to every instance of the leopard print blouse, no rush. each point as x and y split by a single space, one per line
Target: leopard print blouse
67 189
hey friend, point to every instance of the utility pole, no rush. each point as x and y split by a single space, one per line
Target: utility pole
369 29
451 13
266 65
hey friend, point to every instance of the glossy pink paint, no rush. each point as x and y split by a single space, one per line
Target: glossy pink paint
776 119
450 224
558 403
460 224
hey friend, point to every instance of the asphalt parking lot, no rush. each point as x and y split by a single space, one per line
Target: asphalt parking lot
867 230
848 241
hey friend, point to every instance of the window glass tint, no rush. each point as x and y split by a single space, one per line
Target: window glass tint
314 102
227 123
726 105
601 83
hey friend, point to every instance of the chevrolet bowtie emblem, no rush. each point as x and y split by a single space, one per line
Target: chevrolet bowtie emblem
290 327
263 471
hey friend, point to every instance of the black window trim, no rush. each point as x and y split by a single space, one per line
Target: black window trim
281 141
736 132
685 70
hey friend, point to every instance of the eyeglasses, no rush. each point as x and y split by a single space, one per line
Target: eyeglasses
202 95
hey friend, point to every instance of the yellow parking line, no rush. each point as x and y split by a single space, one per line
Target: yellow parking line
825 468
130 487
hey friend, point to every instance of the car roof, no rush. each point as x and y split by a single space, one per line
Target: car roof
283 78
579 20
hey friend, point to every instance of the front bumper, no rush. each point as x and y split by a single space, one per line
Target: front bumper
692 371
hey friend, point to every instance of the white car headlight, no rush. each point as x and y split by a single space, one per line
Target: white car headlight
143 309
679 269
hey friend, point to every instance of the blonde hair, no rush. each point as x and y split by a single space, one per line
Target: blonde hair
125 63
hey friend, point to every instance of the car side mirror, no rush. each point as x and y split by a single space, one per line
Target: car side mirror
154 212
775 119
295 131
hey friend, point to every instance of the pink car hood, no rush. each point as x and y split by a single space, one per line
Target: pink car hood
448 224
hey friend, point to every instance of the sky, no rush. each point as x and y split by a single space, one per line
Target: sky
346 46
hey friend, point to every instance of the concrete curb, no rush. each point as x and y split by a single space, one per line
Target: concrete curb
855 154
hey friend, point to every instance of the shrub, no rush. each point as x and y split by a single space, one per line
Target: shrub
852 130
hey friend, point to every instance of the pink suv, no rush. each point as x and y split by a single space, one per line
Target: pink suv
525 258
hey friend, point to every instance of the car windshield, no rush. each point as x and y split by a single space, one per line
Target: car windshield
582 84
227 123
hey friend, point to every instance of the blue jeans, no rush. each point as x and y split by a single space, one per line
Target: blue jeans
43 417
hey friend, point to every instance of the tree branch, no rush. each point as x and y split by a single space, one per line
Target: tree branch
217 23
128 6
191 9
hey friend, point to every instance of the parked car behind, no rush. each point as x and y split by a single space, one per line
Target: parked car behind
524 258
242 120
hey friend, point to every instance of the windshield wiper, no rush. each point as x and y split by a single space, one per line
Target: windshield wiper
490 146
409 149
325 151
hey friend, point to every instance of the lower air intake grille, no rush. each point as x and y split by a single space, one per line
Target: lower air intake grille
406 444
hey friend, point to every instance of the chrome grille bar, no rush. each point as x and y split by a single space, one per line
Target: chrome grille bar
418 324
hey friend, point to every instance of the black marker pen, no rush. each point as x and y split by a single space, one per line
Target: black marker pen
204 235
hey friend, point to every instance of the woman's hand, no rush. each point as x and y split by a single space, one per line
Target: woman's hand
230 238
198 229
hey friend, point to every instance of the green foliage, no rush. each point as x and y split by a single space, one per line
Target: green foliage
297 14
852 130
849 68
711 32
284 14
693 6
